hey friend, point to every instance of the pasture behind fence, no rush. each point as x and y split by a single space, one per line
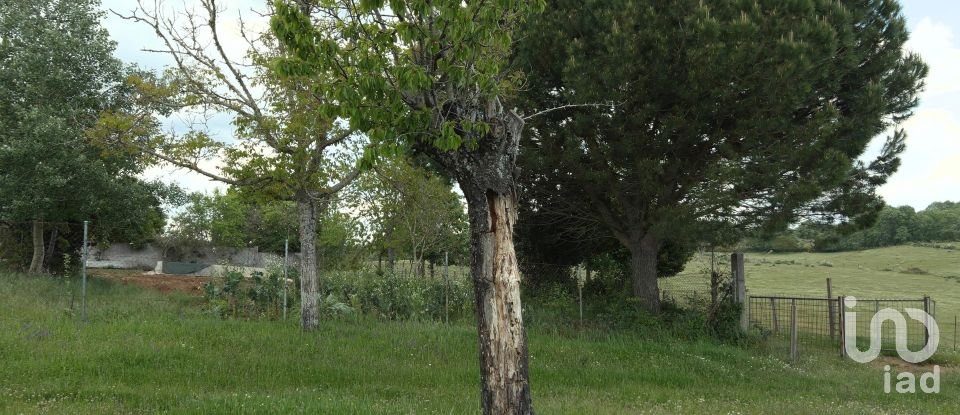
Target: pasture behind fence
821 320
702 283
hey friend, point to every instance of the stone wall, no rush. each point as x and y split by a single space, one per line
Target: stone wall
125 257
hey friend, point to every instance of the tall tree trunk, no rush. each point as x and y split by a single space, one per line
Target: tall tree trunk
51 249
643 267
486 174
36 263
309 285
496 278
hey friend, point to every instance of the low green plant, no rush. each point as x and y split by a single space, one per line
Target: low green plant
234 296
389 296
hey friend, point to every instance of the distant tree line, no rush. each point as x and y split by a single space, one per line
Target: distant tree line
939 222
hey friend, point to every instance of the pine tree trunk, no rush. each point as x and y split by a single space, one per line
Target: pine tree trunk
496 277
309 285
643 267
36 263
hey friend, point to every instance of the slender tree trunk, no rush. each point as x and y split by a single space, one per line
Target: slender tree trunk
391 259
496 277
643 267
309 285
36 263
51 249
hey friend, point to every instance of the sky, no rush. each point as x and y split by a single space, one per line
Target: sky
930 169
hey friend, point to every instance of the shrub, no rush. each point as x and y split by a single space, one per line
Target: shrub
236 297
389 296
915 271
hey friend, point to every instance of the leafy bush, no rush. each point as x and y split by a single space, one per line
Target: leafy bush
390 296
236 297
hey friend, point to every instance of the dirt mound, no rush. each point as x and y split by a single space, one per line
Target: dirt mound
160 282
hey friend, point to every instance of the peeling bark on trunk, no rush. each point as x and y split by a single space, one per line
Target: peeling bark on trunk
643 267
496 277
36 263
309 285
486 174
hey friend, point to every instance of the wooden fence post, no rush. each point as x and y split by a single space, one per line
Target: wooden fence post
831 309
773 311
740 288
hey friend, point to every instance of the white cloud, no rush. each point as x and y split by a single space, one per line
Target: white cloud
188 180
931 162
934 41
930 170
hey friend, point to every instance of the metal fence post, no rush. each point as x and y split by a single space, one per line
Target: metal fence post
926 322
286 254
843 329
793 331
83 274
446 287
580 298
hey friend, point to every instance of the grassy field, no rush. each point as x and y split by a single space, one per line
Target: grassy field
146 352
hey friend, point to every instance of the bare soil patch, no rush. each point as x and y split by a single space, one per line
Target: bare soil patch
899 365
160 282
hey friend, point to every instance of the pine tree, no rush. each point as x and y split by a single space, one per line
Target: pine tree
725 115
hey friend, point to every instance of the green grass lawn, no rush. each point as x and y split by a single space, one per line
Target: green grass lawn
145 352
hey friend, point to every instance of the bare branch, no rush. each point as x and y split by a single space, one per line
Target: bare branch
547 111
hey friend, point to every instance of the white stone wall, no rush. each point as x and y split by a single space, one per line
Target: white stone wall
125 257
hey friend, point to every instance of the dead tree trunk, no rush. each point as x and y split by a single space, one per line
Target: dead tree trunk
486 175
643 268
496 278
36 263
309 285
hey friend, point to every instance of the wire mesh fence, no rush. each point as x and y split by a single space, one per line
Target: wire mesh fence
823 320
702 282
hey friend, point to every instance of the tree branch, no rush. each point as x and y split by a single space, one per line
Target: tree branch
547 111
